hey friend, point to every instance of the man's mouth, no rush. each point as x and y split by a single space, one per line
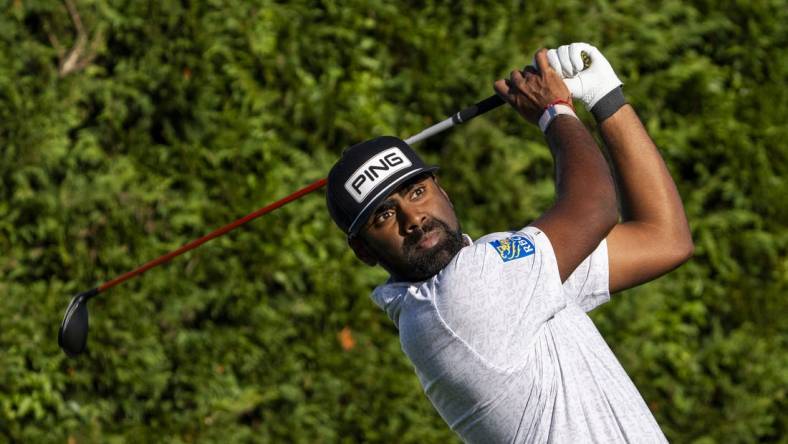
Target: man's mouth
428 240
430 249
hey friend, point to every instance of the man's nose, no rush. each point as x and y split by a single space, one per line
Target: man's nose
411 218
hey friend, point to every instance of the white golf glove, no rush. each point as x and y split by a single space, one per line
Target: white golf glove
590 84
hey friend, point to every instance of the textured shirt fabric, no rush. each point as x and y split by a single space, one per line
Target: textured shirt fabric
507 354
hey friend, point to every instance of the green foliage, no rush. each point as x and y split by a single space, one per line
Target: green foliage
192 114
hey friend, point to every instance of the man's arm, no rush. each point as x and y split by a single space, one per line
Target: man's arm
585 208
654 235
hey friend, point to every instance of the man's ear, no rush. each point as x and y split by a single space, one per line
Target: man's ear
362 251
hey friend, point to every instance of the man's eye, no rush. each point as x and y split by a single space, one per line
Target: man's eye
383 215
418 192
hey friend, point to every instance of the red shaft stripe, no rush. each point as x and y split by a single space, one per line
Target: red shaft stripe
216 233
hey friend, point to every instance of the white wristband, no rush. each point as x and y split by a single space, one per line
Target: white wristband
552 112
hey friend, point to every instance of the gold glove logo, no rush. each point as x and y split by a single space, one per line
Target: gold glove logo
375 171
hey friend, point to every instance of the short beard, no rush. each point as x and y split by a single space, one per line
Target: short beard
425 264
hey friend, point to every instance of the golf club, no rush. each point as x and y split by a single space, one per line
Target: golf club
73 334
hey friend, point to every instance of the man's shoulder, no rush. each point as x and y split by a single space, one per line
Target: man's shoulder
488 259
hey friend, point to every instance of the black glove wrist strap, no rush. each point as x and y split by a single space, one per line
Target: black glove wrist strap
609 104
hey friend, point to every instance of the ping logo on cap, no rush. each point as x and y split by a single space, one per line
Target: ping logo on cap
375 171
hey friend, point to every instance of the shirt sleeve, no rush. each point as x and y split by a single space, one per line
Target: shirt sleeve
588 285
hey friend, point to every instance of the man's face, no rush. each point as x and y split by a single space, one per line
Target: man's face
414 233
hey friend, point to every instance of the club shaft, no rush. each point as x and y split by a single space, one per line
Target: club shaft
460 117
212 235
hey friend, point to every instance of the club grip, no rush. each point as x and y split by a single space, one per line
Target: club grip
492 102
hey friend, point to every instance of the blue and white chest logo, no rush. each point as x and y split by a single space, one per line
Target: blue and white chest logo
514 247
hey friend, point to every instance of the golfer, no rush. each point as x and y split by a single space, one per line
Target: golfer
496 327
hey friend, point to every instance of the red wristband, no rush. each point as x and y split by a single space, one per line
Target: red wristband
563 101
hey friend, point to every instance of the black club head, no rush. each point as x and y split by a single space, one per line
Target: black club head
73 334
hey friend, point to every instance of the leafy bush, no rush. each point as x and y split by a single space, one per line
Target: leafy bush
182 116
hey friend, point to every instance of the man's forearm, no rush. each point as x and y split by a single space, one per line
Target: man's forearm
648 194
580 168
654 237
585 194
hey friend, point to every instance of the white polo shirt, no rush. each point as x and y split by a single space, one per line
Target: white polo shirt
507 354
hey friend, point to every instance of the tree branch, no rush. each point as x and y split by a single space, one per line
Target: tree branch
81 54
